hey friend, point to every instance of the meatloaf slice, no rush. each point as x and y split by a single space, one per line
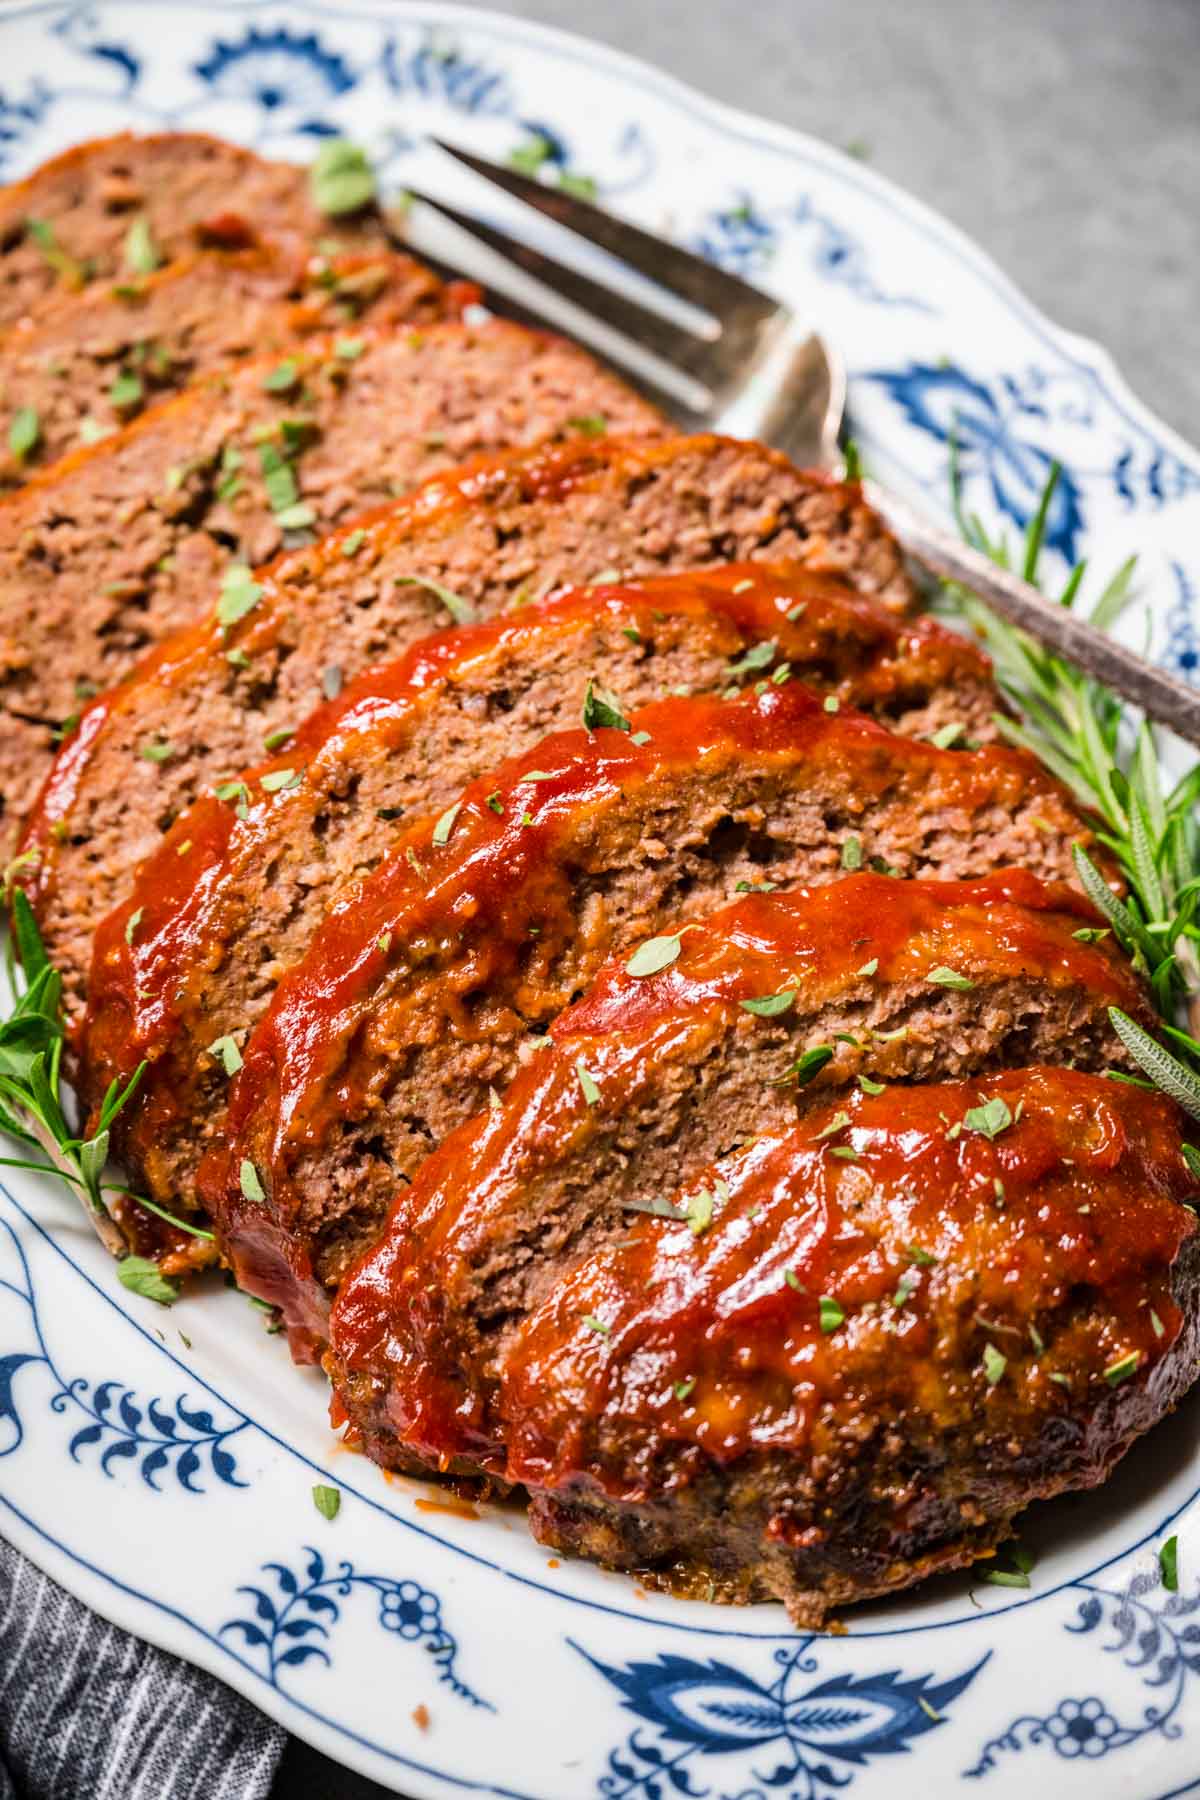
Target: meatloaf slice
417 994
245 876
69 222
826 1364
88 363
119 544
496 533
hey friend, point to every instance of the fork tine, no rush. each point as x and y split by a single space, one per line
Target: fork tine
681 272
672 343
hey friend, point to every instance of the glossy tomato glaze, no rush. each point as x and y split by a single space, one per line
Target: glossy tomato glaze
401 1318
183 904
491 483
714 1342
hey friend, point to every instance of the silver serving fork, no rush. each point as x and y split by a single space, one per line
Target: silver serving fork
732 359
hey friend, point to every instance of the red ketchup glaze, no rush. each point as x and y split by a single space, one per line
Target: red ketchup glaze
714 1342
395 1317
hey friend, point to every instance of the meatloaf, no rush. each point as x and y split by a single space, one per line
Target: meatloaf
809 1359
116 545
88 363
418 992
245 876
70 221
501 532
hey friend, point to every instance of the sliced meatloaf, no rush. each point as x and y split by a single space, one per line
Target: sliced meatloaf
814 1363
70 221
418 992
117 545
88 363
245 876
500 532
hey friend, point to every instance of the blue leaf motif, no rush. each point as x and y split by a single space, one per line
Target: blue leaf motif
880 1714
709 1704
302 1653
9 1366
88 1434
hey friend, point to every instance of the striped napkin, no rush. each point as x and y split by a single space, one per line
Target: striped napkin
89 1713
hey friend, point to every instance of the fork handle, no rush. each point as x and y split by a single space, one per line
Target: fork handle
1160 696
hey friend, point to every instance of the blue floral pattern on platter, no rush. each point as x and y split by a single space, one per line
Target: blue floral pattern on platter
294 1625
712 1709
154 1436
585 1689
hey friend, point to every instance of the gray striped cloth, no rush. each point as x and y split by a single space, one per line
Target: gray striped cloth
89 1713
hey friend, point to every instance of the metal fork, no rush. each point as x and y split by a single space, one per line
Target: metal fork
732 359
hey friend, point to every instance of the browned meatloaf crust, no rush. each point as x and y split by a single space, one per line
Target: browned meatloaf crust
88 363
114 547
501 532
418 992
185 189
812 1358
245 876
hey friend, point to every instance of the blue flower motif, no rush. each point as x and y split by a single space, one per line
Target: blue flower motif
1183 639
411 1611
1081 1728
438 70
993 430
276 69
715 1709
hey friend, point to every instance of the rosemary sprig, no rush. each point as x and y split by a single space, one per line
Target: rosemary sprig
1109 757
33 1107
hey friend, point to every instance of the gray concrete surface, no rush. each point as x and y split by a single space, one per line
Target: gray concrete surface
1064 135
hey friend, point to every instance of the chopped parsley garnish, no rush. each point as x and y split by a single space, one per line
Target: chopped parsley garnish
92 430
349 349
600 708
296 518
924 1259
682 1389
341 178
947 737
280 779
235 790
597 1325
839 1122
808 1064
1018 1575
275 740
700 1212
495 802
655 954
445 825
654 1209
1123 1368
132 923
240 594
327 1500
157 753
869 968
769 1006
227 1050
759 656
141 252
870 1087
1156 1324
460 610
994 1364
904 1288
126 390
949 978
71 273
141 1276
753 887
589 424
989 1119
591 1092
793 1281
830 703
852 856
249 1181
353 542
283 378
639 738
24 432
1091 934
1168 1565
829 1314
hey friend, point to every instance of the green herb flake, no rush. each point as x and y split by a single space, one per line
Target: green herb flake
682 1389
989 1119
1156 1324
91 431
275 740
759 656
227 1050
655 954
460 610
830 1314
251 1186
341 178
924 1259
445 825
281 779
327 1500
830 703
994 1364
839 1122
947 737
126 391
602 709
852 856
870 1087
494 801
809 1064
597 1325
349 349
156 753
240 594
1168 1565
132 923
755 887
1122 1368
141 253
950 978
639 738
769 1006
283 378
869 968
297 517
24 431
70 272
141 1276
700 1212
590 425
1091 934
905 1287
591 1092
353 542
